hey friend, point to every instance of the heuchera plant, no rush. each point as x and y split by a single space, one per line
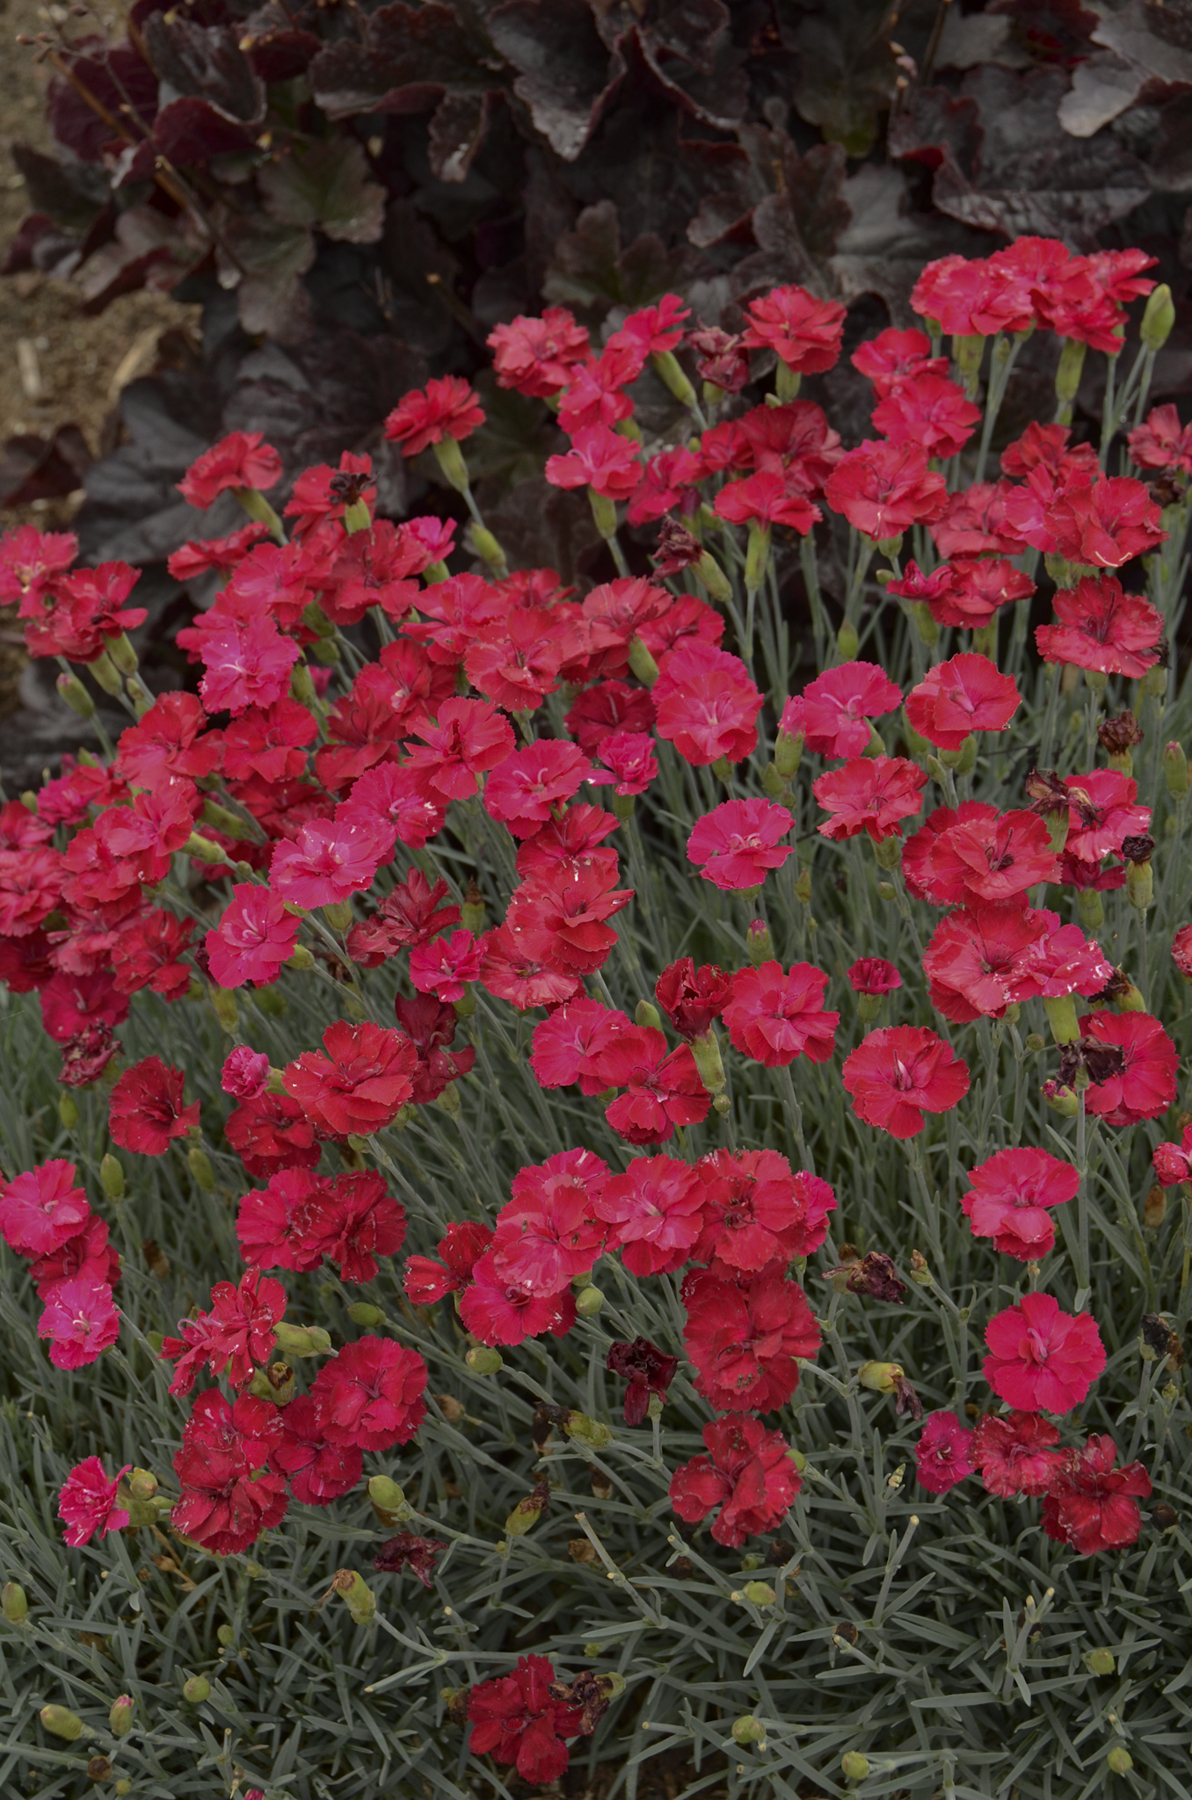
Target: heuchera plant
589 972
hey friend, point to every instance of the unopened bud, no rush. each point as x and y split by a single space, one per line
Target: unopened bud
301 959
450 459
1061 1016
1130 1000
1100 1662
104 671
1067 376
111 1177
670 371
1090 909
919 1270
773 785
363 1314
926 623
13 1603
1120 1760
708 1060
1175 770
388 1500
589 1431
604 513
302 686
854 1766
714 579
205 849
142 1484
488 549
803 887
748 1730
647 1014
888 852
338 915
201 1170
759 945
642 663
788 753
1140 885
120 1715
760 1593
75 695
68 1110
356 1594
1060 1099
472 912
482 1359
296 1341
757 555
1158 318
589 1302
880 1377
847 641
62 1723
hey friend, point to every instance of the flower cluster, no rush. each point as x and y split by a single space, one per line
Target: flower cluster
442 790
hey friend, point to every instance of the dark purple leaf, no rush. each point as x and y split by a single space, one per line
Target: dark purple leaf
73 194
207 63
591 270
566 75
113 79
1050 31
277 49
192 130
326 186
456 132
37 468
33 228
688 45
410 57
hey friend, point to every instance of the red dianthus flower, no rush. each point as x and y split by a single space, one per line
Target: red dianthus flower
749 1475
1092 1505
1008 1198
871 794
146 1111
447 407
901 1072
370 1395
774 1016
1042 1359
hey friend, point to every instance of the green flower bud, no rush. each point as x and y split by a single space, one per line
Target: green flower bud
803 887
104 671
338 915
847 641
1120 1760
880 1377
483 1360
120 1716
76 696
748 1730
356 1594
111 1177
1061 1100
357 517
760 1592
388 1500
205 849
1175 770
759 944
604 512
62 1723
642 663
773 784
1100 1662
854 1766
1090 909
1061 1016
142 1484
196 1690
787 382
589 1431
13 1603
220 818
708 1060
302 686
1067 376
201 1170
295 1341
123 1786
258 508
527 1512
926 623
325 651
1140 885
720 588
646 1013
670 371
1158 318
757 555
300 959
68 1110
888 852
589 1302
361 1313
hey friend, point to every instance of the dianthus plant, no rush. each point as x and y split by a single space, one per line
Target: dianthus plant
643 1115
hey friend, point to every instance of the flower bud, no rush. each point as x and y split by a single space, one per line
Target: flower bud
968 353
706 1051
1061 1016
142 1484
787 382
721 1104
1100 1662
880 1377
1154 1209
803 886
759 945
13 1603
301 960
111 1177
854 1766
120 1716
1090 909
719 586
1175 770
338 915
1140 885
1130 1000
123 1786
62 1723
295 1341
453 1410
388 1500
104 671
528 1511
760 1593
757 555
1120 1760
1158 318
847 641
1061 1099
483 1360
926 623
489 550
68 1110
201 1170
302 686
773 784
604 512
362 1313
75 695
788 753
205 849
1067 376
642 663
888 853
589 1431
646 1013
473 910
670 372
450 459
356 1594
748 1730
589 1302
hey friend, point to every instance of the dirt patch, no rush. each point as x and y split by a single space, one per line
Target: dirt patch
57 367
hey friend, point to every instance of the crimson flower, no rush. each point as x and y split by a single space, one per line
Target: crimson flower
514 971
407 1551
1100 524
1042 1359
871 794
804 333
874 976
278 1226
975 854
628 757
548 1233
990 956
599 458
647 1370
431 1024
1146 1086
318 1472
838 705
607 707
775 1016
85 1256
234 1336
771 497
1181 951
1161 442
706 703
370 1395
1102 814
498 1311
756 1212
930 410
461 1248
654 1211
271 1133
245 1073
883 489
652 330
360 1085
523 790
1101 627
561 916
516 660
749 1474
966 297
538 356
516 1718
246 660
146 1111
87 1502
744 1338
444 408
1173 1162
446 966
80 1321
229 1494
692 998
241 460
1015 1454
737 843
329 860
943 1454
967 693
892 356
899 1073
410 914
42 1209
1008 1198
467 738
1092 1505
568 1041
